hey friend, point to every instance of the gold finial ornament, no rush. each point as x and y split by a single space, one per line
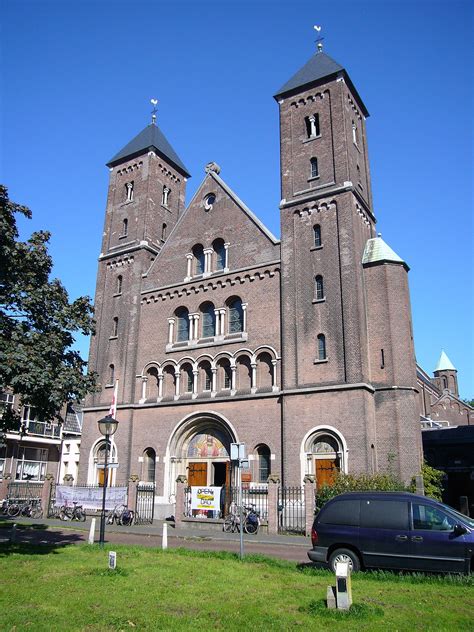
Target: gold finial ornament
154 103
319 40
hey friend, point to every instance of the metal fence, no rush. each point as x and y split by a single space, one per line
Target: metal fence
256 497
291 510
145 505
25 491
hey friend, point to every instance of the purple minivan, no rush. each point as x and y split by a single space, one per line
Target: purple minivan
394 530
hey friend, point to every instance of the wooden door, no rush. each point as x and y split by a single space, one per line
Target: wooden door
197 474
325 471
101 476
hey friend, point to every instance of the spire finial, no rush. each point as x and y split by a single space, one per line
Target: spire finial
318 40
154 103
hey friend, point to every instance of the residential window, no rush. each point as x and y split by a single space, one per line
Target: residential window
219 249
236 316
263 453
182 327
6 401
129 191
3 456
319 288
312 126
119 284
317 236
165 196
314 168
124 227
208 320
199 259
321 347
31 464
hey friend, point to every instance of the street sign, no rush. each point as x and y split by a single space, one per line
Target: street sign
237 451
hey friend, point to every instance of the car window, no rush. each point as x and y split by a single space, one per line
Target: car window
342 512
384 514
431 518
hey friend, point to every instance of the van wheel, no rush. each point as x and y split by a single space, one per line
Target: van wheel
344 555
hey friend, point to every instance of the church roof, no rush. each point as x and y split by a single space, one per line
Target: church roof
377 251
150 138
319 67
444 363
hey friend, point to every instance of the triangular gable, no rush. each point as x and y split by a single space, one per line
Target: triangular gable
250 242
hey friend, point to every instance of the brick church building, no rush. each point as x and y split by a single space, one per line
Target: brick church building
215 331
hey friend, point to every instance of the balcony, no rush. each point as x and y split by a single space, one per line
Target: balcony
43 429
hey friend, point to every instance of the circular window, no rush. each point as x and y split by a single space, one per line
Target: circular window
209 201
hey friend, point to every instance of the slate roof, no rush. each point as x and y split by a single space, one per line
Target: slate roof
72 421
444 363
150 138
377 251
319 67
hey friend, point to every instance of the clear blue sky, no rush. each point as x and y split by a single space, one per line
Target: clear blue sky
77 77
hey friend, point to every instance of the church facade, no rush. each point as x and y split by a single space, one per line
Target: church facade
213 331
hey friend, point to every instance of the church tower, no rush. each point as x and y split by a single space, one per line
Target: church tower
146 197
337 298
446 375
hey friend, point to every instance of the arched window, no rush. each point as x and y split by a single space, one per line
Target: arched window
115 327
208 320
165 196
445 381
236 316
124 227
199 259
149 465
243 373
264 371
119 284
182 326
264 470
205 374
219 249
224 374
312 126
152 383
129 191
187 378
319 288
169 382
317 236
355 133
111 374
314 168
321 347
163 232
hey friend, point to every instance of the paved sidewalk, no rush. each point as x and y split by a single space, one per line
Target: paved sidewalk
51 531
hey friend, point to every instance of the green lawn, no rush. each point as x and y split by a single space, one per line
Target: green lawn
70 588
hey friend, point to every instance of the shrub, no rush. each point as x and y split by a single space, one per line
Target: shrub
432 482
358 483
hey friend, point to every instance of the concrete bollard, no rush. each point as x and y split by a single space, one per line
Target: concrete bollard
92 531
164 540
13 534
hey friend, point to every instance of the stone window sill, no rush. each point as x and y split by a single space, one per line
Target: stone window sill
313 178
308 140
122 236
118 294
313 248
109 386
207 342
320 361
319 300
113 337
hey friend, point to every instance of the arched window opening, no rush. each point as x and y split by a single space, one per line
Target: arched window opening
205 374
243 373
163 232
165 196
99 458
219 249
317 236
264 463
236 316
312 126
124 227
149 465
129 191
264 371
199 259
355 133
169 382
322 347
152 383
314 168
111 374
119 284
208 320
187 378
182 324
324 452
445 381
319 288
224 374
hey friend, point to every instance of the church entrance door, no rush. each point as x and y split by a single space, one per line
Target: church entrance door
325 471
197 474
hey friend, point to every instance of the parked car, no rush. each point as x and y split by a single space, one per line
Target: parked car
394 530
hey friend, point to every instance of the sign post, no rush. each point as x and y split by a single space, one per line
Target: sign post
237 453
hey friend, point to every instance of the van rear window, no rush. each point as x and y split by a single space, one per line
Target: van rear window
344 512
384 514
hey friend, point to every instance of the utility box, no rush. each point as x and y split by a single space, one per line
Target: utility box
343 586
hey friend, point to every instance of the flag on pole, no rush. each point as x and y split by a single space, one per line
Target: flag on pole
113 406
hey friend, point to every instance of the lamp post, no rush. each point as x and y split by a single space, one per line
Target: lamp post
107 426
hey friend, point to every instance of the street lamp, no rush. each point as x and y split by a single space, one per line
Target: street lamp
107 426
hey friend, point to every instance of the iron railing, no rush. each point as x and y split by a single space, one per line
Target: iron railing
25 491
256 497
44 429
145 505
291 510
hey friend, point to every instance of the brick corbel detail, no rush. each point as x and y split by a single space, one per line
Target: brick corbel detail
273 486
181 484
309 501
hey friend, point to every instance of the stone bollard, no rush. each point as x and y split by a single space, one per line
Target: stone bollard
419 485
132 492
164 539
309 502
46 493
181 484
273 485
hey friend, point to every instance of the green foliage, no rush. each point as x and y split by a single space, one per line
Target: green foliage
469 402
37 323
356 611
358 483
432 482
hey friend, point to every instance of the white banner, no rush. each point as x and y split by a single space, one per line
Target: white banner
90 497
205 498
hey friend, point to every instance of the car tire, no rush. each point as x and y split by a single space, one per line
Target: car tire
344 555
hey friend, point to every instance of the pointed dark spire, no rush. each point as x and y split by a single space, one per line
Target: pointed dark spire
318 69
149 139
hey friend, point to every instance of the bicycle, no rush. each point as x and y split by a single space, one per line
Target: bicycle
251 520
28 508
232 520
72 513
121 515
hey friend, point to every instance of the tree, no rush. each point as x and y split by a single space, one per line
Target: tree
469 402
37 323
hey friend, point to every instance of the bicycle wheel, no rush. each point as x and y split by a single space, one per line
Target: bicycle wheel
229 524
65 513
250 527
36 511
14 510
80 515
111 517
126 519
